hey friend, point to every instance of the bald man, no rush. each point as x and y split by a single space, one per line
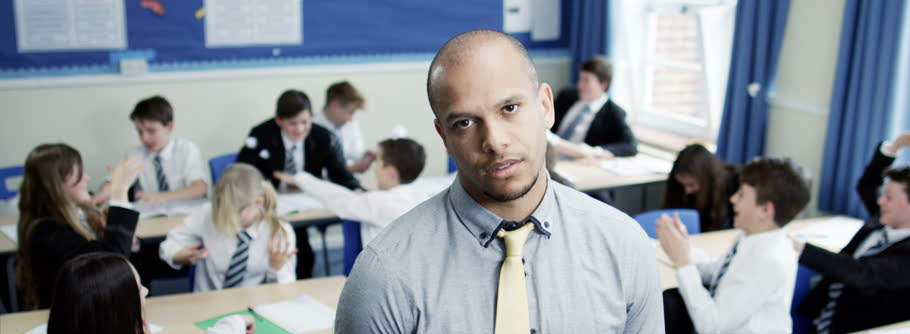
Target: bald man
575 265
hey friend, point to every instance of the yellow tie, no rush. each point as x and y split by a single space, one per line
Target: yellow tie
512 299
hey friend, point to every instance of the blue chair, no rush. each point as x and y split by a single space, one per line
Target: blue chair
648 220
8 173
452 166
800 290
352 243
218 164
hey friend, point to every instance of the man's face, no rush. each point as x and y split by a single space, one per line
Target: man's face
589 87
153 134
494 122
895 206
296 127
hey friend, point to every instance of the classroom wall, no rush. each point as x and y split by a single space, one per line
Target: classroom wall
216 112
798 117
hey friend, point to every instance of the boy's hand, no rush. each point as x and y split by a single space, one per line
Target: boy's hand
674 239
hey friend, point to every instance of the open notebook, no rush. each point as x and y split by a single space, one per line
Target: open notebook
297 316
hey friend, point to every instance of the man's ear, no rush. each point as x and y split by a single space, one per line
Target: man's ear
169 126
545 94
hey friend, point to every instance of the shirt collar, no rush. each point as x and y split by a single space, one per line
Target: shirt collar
598 103
287 141
484 224
761 238
166 151
896 234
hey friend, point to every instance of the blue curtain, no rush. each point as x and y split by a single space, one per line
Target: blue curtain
756 44
862 101
589 32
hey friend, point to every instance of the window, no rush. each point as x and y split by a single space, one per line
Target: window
671 65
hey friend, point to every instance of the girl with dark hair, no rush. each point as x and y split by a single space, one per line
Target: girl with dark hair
101 293
700 180
57 221
90 288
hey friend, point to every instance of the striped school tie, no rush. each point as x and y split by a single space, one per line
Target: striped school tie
512 296
569 130
235 271
823 321
723 269
289 165
159 175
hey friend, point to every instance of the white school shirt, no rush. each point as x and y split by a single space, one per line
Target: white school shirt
350 135
582 128
180 159
210 271
373 209
755 293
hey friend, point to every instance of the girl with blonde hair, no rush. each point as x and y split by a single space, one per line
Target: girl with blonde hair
237 240
57 221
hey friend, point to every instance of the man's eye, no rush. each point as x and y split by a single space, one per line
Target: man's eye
510 108
464 123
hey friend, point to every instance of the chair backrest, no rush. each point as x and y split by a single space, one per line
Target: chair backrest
800 290
352 243
689 218
452 166
8 173
218 164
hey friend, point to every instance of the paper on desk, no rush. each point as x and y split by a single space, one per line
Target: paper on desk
42 329
835 232
10 231
175 208
640 165
300 315
891 331
288 203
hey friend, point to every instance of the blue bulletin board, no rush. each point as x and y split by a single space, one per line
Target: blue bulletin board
334 31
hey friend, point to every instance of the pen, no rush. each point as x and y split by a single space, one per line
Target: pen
255 315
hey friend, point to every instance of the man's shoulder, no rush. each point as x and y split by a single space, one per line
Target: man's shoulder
595 215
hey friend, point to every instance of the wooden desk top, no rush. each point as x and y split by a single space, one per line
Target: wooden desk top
716 244
179 313
900 325
589 176
159 226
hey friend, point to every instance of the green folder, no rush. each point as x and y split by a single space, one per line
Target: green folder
263 325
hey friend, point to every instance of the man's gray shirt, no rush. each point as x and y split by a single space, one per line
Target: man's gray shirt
589 269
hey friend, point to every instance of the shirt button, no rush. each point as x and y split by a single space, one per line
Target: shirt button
533 331
546 224
484 235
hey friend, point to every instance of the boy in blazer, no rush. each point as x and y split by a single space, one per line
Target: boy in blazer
291 143
865 285
588 122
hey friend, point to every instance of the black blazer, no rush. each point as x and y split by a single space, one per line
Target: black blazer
322 150
876 288
53 243
608 129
